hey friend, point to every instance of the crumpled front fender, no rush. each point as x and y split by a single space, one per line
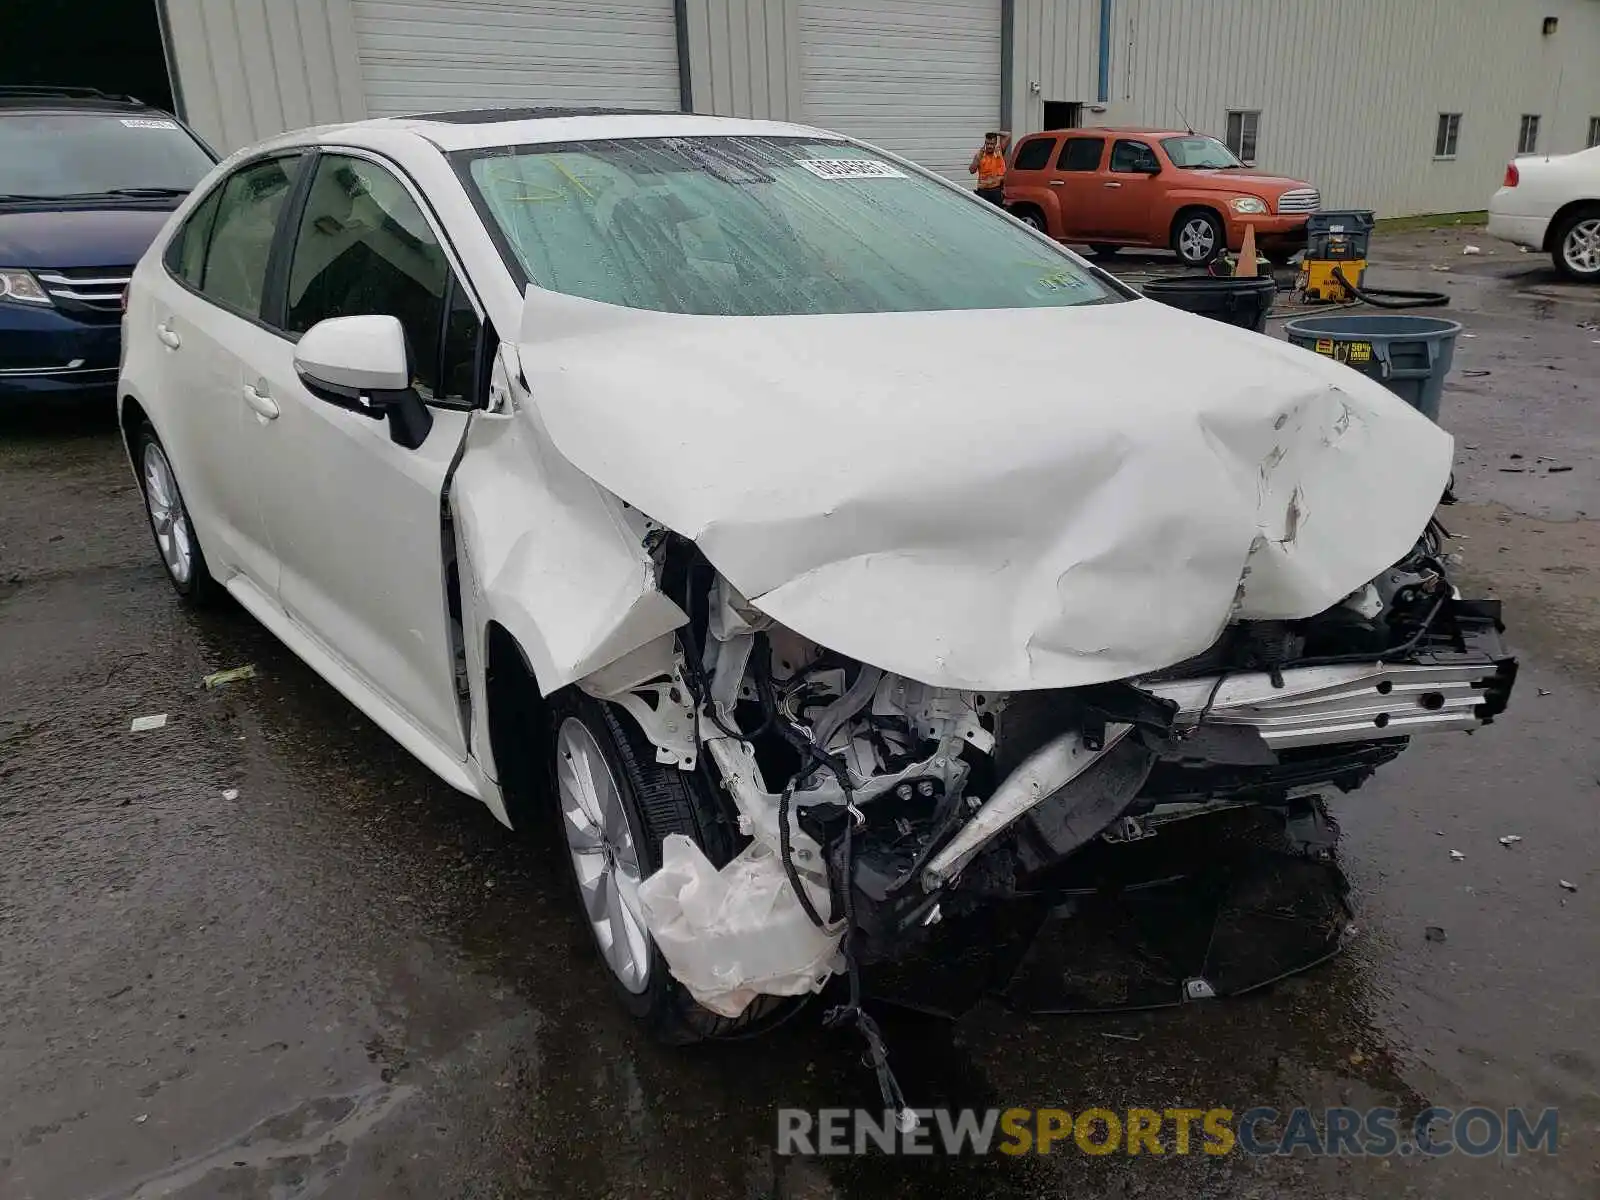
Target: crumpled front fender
550 555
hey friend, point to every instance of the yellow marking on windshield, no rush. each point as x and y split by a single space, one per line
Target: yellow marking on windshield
571 178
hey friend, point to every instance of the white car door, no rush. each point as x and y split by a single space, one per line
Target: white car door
208 300
353 517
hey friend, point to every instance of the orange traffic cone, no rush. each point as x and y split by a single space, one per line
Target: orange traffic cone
1246 268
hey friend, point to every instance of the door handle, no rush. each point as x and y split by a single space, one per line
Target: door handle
169 336
1113 185
263 404
1058 183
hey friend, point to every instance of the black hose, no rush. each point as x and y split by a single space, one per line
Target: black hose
786 856
1389 655
1394 297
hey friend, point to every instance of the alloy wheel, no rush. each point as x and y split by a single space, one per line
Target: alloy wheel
1196 240
605 857
1581 247
167 517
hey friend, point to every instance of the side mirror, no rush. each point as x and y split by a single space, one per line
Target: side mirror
1153 167
360 364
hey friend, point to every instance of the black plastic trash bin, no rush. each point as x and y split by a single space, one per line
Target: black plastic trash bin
1242 302
1408 355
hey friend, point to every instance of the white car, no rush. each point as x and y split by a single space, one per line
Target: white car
819 544
1551 202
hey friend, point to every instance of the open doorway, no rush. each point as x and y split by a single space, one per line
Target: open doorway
1060 114
112 45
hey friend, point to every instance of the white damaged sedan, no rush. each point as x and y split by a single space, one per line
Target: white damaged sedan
824 550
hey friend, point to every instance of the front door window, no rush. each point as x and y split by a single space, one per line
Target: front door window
365 248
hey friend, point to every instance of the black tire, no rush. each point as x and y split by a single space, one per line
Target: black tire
1193 252
198 588
1587 215
1029 215
1105 249
656 800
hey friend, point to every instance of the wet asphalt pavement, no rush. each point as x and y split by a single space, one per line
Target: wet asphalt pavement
261 953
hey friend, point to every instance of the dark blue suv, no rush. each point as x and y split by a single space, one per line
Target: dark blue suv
86 182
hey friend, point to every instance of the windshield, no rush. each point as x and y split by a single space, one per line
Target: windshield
1197 151
54 155
748 226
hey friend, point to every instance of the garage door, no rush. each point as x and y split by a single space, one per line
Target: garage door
434 55
919 77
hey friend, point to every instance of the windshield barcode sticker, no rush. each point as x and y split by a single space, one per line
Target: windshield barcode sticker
148 123
850 168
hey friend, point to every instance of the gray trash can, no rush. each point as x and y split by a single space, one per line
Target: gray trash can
1408 355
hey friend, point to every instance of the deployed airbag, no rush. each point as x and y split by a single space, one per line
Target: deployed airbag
731 935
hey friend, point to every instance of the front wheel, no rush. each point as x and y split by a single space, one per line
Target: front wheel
1576 245
176 543
1198 238
616 806
1029 217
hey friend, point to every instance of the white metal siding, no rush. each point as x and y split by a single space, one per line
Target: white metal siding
248 69
1057 47
744 58
435 55
1350 91
919 77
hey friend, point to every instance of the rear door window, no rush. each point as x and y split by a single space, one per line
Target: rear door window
186 253
1081 154
1034 154
250 202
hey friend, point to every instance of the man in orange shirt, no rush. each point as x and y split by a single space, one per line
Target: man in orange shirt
989 165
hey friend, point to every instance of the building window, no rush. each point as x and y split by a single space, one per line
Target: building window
1594 133
1242 130
1528 136
1444 142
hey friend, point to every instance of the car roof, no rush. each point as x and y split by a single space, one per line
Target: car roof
1129 130
25 97
473 129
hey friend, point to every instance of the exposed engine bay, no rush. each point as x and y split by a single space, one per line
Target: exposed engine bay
876 806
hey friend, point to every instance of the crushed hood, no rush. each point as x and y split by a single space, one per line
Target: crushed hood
993 500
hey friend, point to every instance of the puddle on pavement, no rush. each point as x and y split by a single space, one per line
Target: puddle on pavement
297 1153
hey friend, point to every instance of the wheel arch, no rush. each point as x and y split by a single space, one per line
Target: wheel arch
517 716
1560 216
1018 208
1188 207
130 415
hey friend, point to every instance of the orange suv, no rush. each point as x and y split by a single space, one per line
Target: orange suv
1153 187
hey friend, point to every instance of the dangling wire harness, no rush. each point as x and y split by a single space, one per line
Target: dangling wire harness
813 758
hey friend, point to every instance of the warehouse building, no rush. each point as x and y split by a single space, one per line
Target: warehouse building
1404 106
